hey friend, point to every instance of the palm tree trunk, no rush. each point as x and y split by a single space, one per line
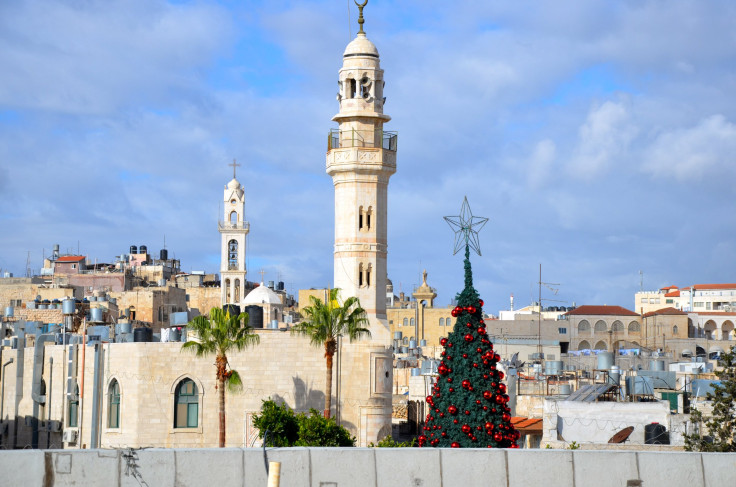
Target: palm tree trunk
221 391
328 385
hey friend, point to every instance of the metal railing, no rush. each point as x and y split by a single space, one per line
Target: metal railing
379 139
233 226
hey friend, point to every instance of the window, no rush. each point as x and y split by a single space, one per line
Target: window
406 322
442 322
233 217
562 331
643 300
617 326
583 326
634 327
669 301
708 305
232 255
113 410
186 405
698 304
73 409
411 322
674 330
601 325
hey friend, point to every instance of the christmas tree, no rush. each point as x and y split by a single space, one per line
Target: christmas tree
467 407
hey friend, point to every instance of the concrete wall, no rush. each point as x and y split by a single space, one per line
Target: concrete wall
366 467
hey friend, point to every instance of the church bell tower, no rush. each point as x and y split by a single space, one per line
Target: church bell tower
233 230
361 157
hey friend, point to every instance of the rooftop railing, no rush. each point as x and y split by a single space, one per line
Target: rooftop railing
379 139
233 226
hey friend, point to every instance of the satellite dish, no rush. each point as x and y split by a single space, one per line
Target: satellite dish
622 435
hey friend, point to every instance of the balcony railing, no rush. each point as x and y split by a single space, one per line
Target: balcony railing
379 139
233 226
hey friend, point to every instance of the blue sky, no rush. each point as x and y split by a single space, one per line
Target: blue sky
598 137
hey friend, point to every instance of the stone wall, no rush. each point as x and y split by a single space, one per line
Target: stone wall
367 467
283 367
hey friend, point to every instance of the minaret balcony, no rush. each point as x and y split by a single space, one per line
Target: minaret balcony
241 226
353 138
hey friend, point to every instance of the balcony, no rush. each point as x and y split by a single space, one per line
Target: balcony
379 139
221 225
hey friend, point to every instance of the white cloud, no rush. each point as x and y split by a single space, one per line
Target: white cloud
603 137
691 154
540 163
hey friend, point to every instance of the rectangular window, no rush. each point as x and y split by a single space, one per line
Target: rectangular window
698 304
651 300
644 300
708 305
73 408
669 301
562 331
656 301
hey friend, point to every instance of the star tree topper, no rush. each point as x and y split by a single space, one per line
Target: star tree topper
466 228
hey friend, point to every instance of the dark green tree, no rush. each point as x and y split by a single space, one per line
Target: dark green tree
467 407
218 335
720 427
282 427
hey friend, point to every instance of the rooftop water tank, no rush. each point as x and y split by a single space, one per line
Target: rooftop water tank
133 249
397 335
605 360
657 365
143 334
174 335
103 332
142 249
270 284
233 309
416 371
255 316
164 254
95 315
280 286
412 344
9 311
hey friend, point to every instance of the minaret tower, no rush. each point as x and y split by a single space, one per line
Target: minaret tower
361 157
233 229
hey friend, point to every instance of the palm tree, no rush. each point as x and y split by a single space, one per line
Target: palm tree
218 335
324 322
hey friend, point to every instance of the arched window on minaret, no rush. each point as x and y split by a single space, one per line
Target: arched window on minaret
368 275
232 255
233 217
227 290
360 218
368 217
360 275
237 291
351 88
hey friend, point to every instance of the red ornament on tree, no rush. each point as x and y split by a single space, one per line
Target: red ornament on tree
465 428
443 341
452 409
455 444
466 383
422 440
498 437
502 388
468 338
471 310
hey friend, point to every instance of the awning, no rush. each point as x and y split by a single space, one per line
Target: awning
687 353
715 348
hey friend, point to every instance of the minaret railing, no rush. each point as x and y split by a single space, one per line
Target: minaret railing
379 139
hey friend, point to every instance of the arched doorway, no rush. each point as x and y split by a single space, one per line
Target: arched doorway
727 330
710 329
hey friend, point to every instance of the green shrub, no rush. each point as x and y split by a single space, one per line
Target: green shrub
280 422
288 429
388 442
316 430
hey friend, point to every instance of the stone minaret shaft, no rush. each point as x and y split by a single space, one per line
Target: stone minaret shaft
361 157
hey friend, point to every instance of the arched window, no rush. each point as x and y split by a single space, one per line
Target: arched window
674 330
232 255
583 326
368 275
411 322
227 291
442 322
186 405
237 290
360 275
113 404
584 345
360 218
351 88
405 341
634 327
617 326
406 322
600 325
601 345
233 217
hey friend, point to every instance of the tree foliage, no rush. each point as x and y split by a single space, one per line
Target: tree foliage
721 425
324 322
282 427
218 335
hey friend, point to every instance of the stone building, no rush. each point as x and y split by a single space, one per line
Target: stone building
604 328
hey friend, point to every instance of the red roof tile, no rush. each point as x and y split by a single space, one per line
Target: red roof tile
710 286
669 288
601 310
673 294
666 311
527 425
70 258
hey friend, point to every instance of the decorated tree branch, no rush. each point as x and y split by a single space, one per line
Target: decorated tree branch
468 405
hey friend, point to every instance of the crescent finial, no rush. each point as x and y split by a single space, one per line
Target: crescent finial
361 20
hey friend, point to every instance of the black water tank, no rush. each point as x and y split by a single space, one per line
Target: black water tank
133 249
280 286
164 254
142 249
255 316
233 309
142 334
656 434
